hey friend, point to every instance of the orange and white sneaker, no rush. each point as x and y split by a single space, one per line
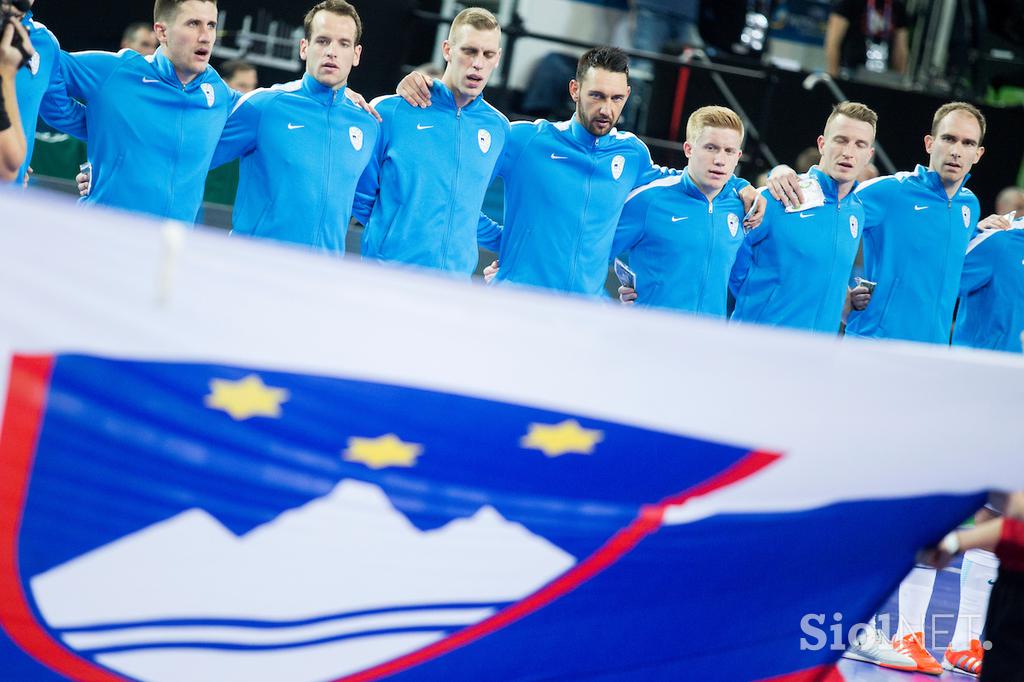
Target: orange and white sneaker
967 661
913 645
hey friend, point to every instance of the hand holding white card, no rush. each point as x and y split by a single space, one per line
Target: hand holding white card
813 195
626 276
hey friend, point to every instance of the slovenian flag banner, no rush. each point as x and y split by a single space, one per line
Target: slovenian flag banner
227 460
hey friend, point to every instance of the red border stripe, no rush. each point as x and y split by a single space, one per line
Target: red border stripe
618 546
821 673
23 416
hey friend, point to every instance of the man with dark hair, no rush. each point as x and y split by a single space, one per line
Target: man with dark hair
140 37
552 241
303 144
240 75
154 121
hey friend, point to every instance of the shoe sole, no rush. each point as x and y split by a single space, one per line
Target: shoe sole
891 666
946 665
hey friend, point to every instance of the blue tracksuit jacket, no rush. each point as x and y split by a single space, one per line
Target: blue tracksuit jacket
42 92
303 148
151 139
991 312
420 196
564 193
792 271
681 246
915 238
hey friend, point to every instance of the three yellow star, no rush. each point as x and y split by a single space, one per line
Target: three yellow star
565 438
387 451
245 398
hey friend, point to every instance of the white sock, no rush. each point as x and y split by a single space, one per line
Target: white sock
915 593
978 569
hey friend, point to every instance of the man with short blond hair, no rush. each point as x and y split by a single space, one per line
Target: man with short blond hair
682 232
792 270
421 195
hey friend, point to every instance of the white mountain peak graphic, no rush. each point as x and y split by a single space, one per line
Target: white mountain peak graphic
348 551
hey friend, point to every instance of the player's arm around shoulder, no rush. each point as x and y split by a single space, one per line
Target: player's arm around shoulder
242 129
87 72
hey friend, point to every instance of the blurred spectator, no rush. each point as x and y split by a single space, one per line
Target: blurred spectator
806 159
431 69
240 75
867 33
870 172
1010 199
139 37
661 24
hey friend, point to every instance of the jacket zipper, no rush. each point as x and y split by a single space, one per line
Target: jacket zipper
455 187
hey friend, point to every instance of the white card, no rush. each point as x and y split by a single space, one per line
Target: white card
813 195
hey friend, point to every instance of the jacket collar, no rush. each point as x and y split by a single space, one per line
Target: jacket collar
829 187
932 181
165 69
445 98
319 92
587 139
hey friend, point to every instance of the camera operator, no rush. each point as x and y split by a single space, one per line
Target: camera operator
13 146
41 90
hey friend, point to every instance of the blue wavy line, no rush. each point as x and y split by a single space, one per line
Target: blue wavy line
446 629
272 624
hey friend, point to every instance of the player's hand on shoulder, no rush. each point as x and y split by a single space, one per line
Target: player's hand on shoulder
415 89
361 102
784 186
754 204
994 222
490 272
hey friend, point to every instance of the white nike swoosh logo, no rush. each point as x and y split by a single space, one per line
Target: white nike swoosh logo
676 220
919 208
422 127
292 126
150 80
555 157
806 215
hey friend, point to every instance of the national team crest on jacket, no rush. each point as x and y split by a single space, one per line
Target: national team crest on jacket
34 63
298 528
483 138
854 227
209 92
355 136
618 165
967 215
734 223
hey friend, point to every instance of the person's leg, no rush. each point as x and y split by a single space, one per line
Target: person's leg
1004 628
977 575
915 593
